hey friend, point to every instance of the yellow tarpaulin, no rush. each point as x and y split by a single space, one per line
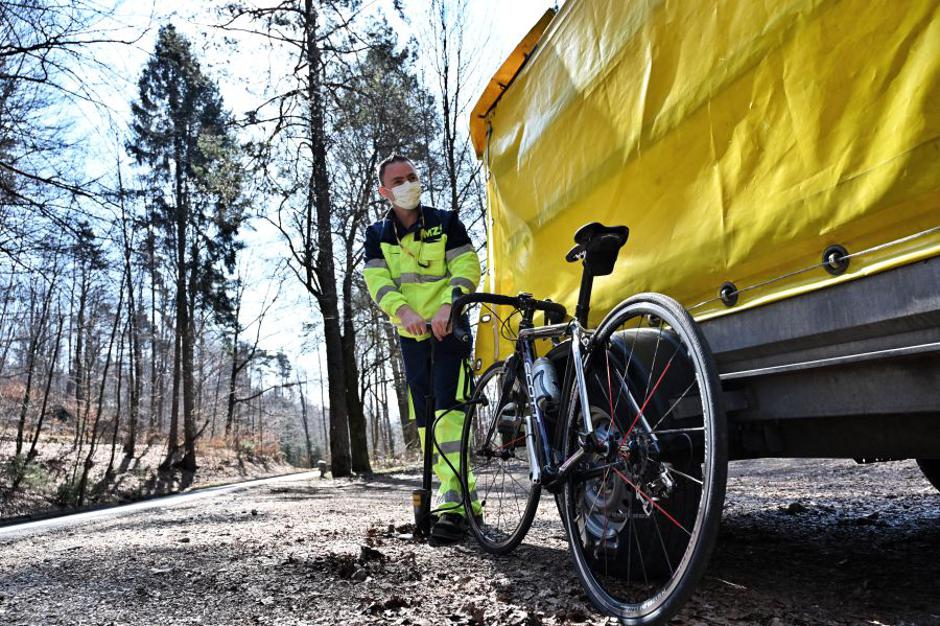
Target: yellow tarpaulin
737 139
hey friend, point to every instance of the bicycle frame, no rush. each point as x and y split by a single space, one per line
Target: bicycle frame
543 460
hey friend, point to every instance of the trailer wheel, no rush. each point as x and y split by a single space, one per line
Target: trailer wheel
931 469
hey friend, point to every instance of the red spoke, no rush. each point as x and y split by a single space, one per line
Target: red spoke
651 501
648 398
519 438
610 393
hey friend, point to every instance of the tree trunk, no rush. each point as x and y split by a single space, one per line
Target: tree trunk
306 423
323 418
92 445
182 321
134 367
389 436
155 412
188 462
409 428
80 338
31 454
319 200
35 339
357 419
339 422
109 472
8 297
233 374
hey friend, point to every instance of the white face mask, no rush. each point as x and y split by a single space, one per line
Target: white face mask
407 195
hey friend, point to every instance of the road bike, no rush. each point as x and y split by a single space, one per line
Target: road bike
622 423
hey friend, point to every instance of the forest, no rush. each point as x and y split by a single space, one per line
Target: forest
135 315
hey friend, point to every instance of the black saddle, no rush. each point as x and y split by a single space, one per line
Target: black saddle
599 246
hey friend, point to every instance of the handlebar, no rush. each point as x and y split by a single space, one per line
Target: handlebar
553 310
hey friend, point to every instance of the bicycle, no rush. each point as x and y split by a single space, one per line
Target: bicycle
640 481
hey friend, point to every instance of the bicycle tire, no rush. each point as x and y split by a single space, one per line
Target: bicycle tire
626 527
495 532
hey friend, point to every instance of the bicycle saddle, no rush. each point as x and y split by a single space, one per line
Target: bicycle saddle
599 245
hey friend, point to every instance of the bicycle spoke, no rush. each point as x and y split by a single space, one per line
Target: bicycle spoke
610 393
662 544
488 490
648 398
659 337
519 438
673 470
674 404
502 488
691 429
653 502
630 543
639 551
516 500
626 365
599 382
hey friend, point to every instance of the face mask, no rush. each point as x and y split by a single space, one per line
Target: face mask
407 195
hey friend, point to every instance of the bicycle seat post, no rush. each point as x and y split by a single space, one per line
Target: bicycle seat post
584 296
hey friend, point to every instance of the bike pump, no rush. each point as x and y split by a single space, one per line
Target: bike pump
421 498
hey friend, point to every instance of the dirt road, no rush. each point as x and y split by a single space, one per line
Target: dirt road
803 542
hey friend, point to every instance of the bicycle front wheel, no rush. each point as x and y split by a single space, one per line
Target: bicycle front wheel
642 514
495 461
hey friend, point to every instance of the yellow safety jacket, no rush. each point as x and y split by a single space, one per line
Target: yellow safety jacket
419 266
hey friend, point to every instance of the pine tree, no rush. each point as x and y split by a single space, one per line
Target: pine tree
180 134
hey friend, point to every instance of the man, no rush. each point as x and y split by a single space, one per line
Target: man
414 259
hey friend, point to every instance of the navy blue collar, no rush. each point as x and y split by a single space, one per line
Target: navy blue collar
400 228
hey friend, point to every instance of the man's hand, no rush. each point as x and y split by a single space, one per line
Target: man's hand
441 322
410 319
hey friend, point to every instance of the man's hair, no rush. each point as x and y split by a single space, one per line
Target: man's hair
392 158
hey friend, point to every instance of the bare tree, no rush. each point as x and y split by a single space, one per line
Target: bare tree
454 53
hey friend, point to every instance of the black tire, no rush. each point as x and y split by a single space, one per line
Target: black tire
931 470
642 527
493 455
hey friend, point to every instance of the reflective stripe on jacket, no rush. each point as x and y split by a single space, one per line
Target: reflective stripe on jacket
438 240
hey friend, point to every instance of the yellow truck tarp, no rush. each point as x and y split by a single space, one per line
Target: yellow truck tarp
738 139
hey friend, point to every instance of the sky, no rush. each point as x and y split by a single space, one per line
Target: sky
494 28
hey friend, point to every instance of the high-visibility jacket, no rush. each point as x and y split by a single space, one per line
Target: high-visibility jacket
437 257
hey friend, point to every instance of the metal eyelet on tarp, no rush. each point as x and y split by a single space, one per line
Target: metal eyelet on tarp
728 293
835 260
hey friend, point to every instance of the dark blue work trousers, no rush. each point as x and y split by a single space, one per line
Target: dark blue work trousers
448 379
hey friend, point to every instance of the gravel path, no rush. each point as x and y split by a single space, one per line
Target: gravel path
803 542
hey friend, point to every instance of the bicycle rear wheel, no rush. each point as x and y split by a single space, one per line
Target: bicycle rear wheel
642 516
494 455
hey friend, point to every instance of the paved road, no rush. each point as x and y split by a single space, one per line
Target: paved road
75 519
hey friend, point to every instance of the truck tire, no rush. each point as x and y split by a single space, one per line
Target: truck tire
931 470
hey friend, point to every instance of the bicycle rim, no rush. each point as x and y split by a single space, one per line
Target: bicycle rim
495 458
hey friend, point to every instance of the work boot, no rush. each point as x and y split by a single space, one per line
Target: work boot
450 528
